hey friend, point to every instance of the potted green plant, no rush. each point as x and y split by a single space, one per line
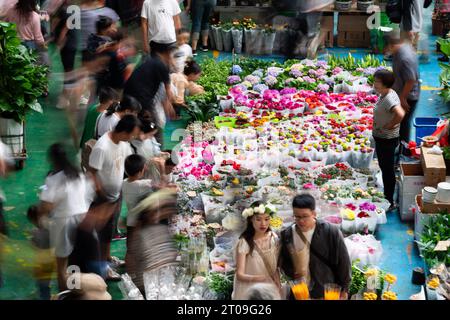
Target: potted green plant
444 78
22 82
363 5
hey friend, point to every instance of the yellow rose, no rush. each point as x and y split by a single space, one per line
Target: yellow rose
390 278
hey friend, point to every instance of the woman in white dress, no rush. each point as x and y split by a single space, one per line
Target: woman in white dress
256 252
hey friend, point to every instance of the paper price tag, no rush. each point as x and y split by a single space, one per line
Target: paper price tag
442 245
191 194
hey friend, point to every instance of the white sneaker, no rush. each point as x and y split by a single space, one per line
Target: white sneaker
418 296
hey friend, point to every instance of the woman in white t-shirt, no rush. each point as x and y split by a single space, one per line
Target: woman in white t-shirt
108 120
65 198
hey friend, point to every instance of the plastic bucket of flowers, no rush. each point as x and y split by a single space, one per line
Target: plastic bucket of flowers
217 34
348 221
268 40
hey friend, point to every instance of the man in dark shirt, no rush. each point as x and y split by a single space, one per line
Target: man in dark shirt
405 66
314 250
145 81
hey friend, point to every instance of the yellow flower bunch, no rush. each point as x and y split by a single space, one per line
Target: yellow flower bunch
276 222
348 214
390 278
242 115
248 23
370 296
371 272
433 283
389 295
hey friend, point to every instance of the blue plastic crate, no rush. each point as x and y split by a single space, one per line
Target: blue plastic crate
425 126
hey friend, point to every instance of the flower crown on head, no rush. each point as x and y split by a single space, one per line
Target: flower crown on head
261 209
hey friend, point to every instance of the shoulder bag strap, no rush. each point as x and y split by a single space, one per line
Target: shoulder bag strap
266 263
313 251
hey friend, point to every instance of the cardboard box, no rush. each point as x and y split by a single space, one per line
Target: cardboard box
411 183
420 219
353 39
433 208
411 175
327 28
352 22
406 203
327 22
433 166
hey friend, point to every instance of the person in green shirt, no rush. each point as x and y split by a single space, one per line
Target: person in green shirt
107 96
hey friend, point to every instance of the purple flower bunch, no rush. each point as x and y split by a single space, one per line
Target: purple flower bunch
296 73
323 87
236 69
337 70
270 80
309 79
367 206
233 80
286 91
261 87
258 73
274 71
252 79
322 64
288 81
369 71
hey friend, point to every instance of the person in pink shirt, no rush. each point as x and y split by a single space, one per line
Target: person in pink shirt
28 22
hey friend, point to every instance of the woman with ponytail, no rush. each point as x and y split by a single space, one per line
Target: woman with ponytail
111 117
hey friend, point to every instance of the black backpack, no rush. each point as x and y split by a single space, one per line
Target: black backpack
394 10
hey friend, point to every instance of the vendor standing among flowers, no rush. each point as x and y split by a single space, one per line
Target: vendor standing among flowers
256 252
387 117
314 250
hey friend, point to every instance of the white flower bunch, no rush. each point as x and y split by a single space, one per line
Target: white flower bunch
261 209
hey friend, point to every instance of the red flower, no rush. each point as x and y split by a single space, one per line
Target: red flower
363 214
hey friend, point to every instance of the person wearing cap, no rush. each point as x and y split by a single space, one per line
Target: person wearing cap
160 22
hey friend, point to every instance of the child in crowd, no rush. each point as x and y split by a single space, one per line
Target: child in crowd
148 147
108 120
134 189
185 82
107 97
44 265
184 51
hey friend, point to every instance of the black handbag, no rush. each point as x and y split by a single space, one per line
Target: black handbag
394 10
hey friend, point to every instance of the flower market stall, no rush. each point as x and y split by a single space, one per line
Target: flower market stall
303 126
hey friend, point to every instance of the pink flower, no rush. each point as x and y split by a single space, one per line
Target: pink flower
308 186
